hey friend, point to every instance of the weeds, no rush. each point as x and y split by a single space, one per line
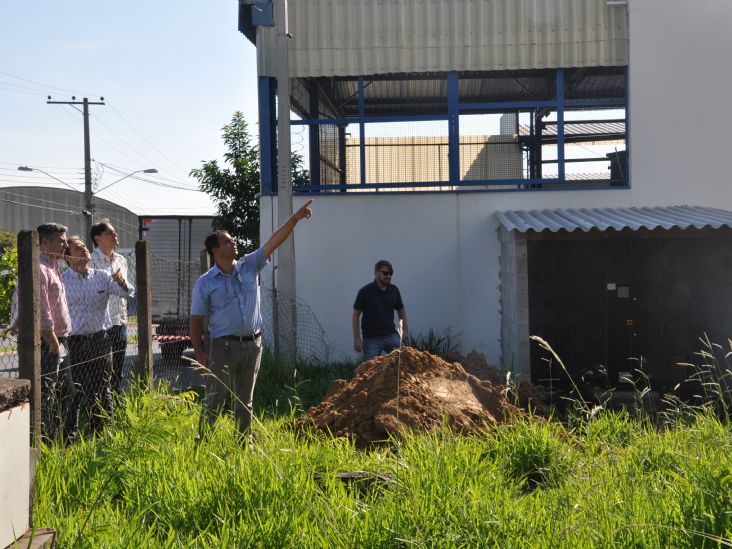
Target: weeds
606 479
436 342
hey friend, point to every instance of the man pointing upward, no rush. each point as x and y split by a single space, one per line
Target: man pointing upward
228 294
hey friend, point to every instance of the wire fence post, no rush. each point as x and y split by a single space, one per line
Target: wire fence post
205 261
205 266
29 325
144 312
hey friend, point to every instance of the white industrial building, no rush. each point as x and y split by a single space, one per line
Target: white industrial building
623 252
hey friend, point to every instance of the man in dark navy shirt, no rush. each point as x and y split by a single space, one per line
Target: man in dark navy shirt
377 302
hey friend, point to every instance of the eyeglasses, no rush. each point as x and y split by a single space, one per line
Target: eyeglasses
387 273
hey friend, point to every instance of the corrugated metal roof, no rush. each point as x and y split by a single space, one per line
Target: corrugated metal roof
412 93
591 129
366 37
586 219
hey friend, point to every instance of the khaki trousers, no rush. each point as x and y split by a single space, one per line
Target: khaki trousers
233 369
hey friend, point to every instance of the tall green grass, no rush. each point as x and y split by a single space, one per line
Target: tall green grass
531 483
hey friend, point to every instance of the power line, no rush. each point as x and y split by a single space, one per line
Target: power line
56 168
41 207
122 169
97 135
44 85
27 88
20 91
98 119
34 183
166 185
119 114
26 197
121 198
153 182
26 178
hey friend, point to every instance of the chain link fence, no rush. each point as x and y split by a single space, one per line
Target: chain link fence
8 353
99 359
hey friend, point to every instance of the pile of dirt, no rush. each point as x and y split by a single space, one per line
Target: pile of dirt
475 363
430 390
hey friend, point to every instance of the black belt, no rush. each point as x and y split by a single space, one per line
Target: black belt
77 337
240 339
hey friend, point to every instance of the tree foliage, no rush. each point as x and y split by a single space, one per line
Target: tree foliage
235 187
8 276
7 240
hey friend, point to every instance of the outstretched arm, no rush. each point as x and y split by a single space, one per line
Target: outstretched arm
281 234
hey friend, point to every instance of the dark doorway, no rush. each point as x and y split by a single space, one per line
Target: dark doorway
626 300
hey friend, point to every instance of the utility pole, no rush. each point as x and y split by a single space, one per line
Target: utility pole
286 312
88 208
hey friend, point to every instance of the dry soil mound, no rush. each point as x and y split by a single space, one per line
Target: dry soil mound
430 390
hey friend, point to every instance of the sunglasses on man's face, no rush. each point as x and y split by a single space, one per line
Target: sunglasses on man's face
387 273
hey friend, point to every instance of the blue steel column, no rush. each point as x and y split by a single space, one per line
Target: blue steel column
453 112
362 128
267 125
560 124
314 135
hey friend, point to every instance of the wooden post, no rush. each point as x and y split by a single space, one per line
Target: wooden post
144 312
29 325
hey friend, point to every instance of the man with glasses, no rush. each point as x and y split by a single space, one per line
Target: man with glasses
373 313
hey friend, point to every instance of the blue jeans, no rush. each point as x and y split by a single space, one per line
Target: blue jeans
373 346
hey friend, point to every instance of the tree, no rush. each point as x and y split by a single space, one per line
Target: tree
235 188
7 240
8 273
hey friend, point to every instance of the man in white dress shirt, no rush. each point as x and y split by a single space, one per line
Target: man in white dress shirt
87 292
104 238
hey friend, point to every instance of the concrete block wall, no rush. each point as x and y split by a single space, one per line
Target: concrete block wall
14 459
514 302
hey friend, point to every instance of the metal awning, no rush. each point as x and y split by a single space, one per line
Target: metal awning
602 219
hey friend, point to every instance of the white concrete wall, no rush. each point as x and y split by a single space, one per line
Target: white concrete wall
444 247
680 83
14 473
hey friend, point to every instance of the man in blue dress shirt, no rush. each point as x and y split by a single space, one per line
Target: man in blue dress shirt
228 295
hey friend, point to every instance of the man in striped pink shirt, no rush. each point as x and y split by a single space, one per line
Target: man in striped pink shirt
55 325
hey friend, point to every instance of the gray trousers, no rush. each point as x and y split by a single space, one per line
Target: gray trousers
233 369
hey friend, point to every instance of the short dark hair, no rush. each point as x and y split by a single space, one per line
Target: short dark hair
50 231
212 241
383 263
99 228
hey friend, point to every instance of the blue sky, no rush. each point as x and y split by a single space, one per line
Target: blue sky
172 74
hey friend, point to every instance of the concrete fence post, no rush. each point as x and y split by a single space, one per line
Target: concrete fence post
144 312
205 266
29 325
205 261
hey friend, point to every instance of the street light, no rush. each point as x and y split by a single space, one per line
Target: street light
88 208
149 170
28 169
